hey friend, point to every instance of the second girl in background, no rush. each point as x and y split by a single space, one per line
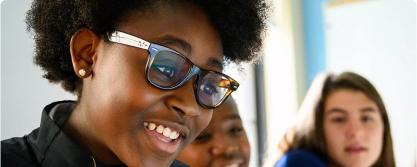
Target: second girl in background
343 122
222 144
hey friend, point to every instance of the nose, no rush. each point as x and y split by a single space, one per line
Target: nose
354 129
223 146
183 100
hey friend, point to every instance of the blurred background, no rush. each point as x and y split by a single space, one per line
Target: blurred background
374 38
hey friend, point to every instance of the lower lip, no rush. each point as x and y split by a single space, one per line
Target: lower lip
354 151
168 147
239 163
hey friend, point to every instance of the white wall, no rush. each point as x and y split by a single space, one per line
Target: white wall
280 88
377 39
24 92
284 70
245 99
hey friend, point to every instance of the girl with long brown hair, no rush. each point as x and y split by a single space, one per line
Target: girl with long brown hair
342 122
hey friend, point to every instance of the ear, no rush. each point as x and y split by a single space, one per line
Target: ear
83 51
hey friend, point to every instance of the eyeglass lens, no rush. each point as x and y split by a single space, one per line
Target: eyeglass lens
168 69
213 88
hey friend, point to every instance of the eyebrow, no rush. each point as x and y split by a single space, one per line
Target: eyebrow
368 109
234 116
174 41
338 110
185 46
215 63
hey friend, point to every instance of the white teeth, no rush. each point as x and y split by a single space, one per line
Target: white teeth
160 129
167 132
233 165
151 126
164 140
173 135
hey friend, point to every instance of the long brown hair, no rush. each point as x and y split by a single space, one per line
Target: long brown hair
308 132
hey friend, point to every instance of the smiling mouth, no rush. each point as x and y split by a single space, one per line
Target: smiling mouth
168 135
233 165
236 161
355 149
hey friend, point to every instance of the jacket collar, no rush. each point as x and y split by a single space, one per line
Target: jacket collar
51 146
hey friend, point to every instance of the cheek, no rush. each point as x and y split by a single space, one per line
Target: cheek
202 120
123 84
333 136
376 137
198 124
245 147
119 94
195 155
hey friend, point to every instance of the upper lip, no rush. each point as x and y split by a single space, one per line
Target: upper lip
176 126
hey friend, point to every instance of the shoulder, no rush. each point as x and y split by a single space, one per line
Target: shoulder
14 152
299 158
177 163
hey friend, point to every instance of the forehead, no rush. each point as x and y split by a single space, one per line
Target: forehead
227 111
349 100
183 21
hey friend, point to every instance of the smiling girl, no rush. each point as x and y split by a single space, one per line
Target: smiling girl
147 75
343 122
222 144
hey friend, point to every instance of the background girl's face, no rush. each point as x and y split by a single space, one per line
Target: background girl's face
223 143
353 129
121 101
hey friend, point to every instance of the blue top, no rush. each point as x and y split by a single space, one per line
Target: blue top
301 158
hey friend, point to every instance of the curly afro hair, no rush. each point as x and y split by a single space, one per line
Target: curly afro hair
241 24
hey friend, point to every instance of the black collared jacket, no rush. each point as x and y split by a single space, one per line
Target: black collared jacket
48 146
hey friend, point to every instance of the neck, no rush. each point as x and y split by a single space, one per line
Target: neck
79 129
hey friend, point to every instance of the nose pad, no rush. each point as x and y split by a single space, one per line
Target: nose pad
183 100
195 86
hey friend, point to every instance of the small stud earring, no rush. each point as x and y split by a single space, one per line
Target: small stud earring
81 72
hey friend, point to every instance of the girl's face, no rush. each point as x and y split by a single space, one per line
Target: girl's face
223 143
353 129
120 100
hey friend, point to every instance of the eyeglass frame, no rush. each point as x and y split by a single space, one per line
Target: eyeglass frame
153 49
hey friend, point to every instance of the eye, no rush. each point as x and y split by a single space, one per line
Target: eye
209 89
236 130
339 120
203 137
167 71
366 119
165 67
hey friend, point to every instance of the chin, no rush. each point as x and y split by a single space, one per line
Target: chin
356 164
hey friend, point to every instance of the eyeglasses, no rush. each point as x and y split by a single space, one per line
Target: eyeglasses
167 69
